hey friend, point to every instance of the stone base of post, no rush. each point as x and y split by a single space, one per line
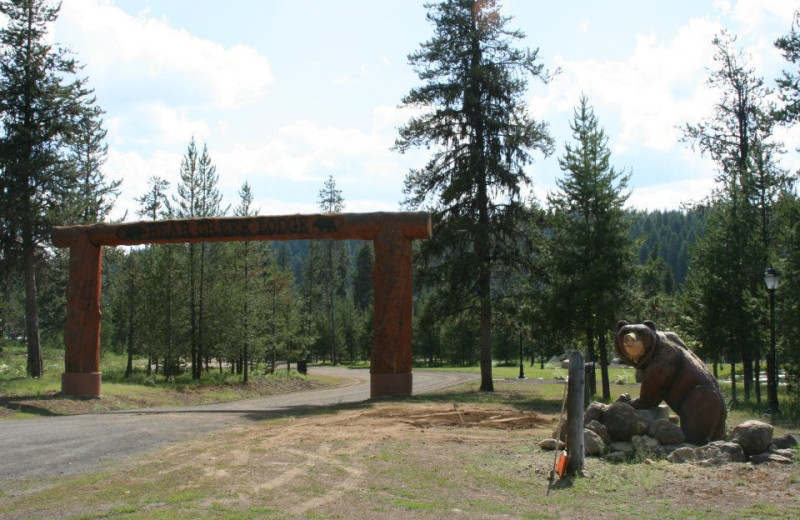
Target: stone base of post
388 385
81 385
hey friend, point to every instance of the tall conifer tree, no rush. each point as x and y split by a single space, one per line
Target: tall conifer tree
42 105
476 124
591 250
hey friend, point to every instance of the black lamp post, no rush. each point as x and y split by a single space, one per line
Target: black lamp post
771 279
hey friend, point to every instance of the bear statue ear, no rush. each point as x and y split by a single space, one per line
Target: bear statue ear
620 324
650 325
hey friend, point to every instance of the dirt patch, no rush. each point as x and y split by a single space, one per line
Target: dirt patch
407 461
463 416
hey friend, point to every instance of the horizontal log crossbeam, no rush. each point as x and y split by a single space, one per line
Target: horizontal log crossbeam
338 226
391 233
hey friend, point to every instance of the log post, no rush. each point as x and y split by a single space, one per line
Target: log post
390 371
81 376
575 390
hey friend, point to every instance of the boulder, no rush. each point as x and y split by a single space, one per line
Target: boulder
665 432
600 429
594 412
762 458
681 455
652 414
645 446
622 422
734 450
592 443
790 440
617 456
753 436
708 452
551 444
624 447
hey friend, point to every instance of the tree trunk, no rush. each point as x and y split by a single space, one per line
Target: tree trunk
201 354
747 371
604 367
592 382
131 307
193 317
733 380
31 305
757 378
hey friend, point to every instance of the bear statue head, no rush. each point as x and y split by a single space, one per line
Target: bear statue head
635 343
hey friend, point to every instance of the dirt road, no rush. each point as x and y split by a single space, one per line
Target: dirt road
54 446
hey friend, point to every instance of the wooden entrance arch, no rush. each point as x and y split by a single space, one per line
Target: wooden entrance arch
392 233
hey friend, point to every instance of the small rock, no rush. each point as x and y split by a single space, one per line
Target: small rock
624 398
600 429
592 443
790 440
681 455
753 436
761 458
789 454
665 432
594 412
617 456
723 458
551 444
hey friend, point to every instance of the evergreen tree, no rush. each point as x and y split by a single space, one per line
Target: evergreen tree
334 266
591 250
42 105
198 196
477 125
247 267
789 82
738 137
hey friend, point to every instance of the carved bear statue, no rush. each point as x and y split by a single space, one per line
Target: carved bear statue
670 372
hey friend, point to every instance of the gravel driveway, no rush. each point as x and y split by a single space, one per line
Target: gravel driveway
54 446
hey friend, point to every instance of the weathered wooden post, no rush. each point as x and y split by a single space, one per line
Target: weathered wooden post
81 375
575 390
390 370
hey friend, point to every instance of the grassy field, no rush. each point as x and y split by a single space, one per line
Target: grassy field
21 396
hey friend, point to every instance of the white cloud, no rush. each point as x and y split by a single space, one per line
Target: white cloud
660 86
583 25
670 196
752 13
155 124
135 172
115 45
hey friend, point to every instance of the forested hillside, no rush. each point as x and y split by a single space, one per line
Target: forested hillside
670 234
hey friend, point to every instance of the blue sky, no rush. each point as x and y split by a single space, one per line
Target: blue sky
285 93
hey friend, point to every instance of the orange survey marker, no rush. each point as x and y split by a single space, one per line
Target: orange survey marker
561 464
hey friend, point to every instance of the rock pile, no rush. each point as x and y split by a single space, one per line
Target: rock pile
619 432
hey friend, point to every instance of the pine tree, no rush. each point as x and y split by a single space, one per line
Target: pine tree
591 249
789 82
481 136
334 264
738 138
42 105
